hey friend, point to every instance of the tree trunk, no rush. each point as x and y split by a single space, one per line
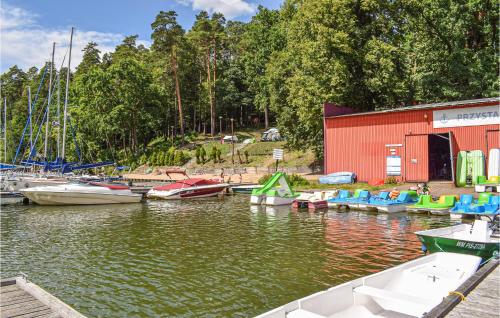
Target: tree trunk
212 118
178 93
266 117
214 88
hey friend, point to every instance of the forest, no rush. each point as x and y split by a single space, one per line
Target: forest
276 70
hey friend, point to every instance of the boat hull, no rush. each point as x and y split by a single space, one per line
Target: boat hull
445 211
310 205
257 199
187 193
244 189
79 198
367 207
395 208
484 250
275 200
11 198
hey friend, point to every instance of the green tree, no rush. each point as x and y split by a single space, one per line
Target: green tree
167 36
91 58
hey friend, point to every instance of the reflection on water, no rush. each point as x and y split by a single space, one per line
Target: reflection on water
212 258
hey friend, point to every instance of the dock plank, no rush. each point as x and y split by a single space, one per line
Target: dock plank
8 289
34 314
482 301
20 298
15 302
12 295
33 307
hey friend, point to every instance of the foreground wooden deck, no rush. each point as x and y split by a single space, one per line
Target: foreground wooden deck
20 298
482 295
483 301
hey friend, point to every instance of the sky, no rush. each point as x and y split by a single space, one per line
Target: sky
29 27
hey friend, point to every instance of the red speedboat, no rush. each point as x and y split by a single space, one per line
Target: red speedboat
188 188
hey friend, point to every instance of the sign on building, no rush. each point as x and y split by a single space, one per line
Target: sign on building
471 116
277 154
393 166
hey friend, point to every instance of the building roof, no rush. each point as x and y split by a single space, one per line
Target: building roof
424 106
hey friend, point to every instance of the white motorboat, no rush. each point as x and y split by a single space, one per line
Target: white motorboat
16 183
81 194
188 189
407 290
7 198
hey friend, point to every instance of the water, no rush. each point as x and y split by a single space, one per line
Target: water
209 258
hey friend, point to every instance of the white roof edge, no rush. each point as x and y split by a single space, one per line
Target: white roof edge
424 106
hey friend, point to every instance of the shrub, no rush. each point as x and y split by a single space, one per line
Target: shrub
391 180
296 179
143 159
197 154
264 178
171 156
293 180
219 152
203 155
246 156
239 156
213 154
178 158
152 159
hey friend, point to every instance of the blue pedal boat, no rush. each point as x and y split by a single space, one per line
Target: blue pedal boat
361 197
486 205
383 203
340 199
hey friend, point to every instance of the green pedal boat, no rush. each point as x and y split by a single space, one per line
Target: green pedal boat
480 238
425 204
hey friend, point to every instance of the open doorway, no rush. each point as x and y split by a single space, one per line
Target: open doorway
439 157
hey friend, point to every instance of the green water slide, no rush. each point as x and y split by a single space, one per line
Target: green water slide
271 183
470 165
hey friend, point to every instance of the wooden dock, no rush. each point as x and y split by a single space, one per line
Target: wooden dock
483 301
482 295
20 298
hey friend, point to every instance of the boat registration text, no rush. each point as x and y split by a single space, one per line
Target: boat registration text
472 246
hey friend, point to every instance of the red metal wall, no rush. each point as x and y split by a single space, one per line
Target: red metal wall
358 143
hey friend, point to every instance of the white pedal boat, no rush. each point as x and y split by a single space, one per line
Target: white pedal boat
407 290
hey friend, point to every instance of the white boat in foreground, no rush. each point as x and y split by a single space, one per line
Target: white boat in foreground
81 194
407 290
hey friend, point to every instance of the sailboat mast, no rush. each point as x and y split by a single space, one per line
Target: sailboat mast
31 121
48 104
58 113
5 128
63 151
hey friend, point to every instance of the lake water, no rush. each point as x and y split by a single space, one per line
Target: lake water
207 258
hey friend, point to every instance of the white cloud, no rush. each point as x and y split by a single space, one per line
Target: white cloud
230 8
25 44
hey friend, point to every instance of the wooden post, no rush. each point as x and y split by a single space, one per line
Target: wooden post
232 139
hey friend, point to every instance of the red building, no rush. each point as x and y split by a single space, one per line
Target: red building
414 144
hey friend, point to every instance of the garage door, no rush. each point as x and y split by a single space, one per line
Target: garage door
417 158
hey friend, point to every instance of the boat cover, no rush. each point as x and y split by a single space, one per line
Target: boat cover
338 178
